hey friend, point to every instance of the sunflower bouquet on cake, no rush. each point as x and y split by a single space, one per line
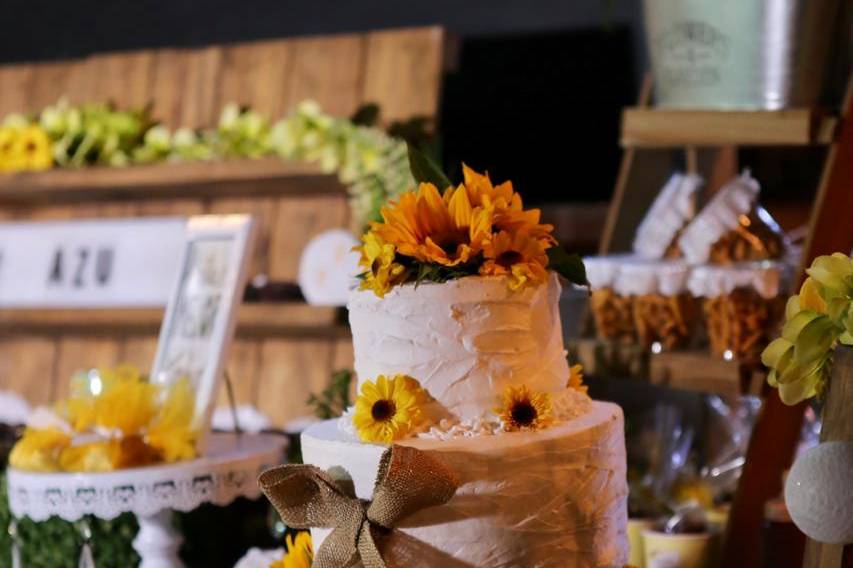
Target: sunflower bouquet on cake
113 419
442 231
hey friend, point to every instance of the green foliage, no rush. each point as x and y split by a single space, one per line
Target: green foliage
366 115
426 170
213 536
370 162
569 266
92 133
56 543
431 272
332 402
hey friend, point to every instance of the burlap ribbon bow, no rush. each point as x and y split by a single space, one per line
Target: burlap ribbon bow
305 497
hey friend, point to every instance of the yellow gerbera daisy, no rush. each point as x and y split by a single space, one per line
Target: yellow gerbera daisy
446 230
377 258
388 409
107 455
172 434
299 554
523 410
8 157
39 449
127 406
80 408
518 256
576 378
33 149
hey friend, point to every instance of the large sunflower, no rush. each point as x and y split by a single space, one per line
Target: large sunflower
388 409
507 209
519 256
445 230
523 410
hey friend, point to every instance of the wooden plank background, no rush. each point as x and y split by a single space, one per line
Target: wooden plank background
400 70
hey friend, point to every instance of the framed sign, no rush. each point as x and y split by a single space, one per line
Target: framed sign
107 263
199 322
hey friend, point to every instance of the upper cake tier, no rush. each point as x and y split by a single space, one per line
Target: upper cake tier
464 340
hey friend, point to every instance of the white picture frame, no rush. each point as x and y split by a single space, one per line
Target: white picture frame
198 325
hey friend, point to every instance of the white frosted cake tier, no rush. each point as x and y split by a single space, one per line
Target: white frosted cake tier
464 340
552 498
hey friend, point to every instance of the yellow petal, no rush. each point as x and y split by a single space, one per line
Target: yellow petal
810 298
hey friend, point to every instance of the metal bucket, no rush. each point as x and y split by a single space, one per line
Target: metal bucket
741 54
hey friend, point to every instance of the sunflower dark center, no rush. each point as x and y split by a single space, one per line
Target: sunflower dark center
450 242
31 147
523 413
383 410
508 258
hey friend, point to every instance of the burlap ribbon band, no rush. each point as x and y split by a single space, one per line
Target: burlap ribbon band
307 497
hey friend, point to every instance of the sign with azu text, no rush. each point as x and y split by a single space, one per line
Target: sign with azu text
110 263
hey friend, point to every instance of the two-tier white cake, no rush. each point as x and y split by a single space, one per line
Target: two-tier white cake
550 497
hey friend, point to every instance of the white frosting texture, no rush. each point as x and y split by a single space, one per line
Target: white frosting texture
552 498
674 206
464 340
767 278
718 217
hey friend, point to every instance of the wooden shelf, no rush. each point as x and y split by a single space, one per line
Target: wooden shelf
654 127
238 178
253 319
695 370
701 371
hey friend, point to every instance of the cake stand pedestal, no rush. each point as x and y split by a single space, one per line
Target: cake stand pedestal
229 469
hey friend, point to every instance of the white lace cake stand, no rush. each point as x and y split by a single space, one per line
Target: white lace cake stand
228 470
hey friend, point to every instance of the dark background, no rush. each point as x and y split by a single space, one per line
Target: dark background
535 98
47 29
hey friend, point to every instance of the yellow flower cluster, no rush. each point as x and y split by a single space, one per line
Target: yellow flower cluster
576 378
816 320
299 553
475 228
389 408
24 148
124 422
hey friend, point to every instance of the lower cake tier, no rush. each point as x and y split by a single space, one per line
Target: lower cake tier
552 498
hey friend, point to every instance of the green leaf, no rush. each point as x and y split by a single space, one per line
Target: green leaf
425 272
792 307
425 170
796 324
334 400
806 386
815 340
773 353
366 115
837 308
569 266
